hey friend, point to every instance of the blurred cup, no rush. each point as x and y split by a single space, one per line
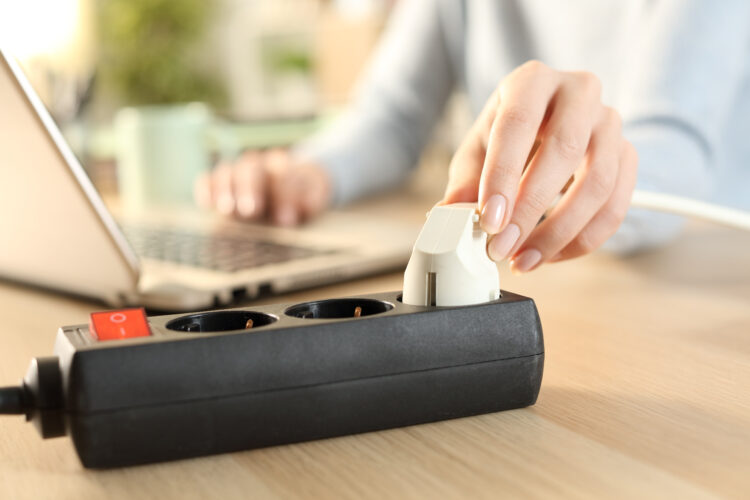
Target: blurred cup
162 149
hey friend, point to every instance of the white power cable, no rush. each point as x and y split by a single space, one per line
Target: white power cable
691 208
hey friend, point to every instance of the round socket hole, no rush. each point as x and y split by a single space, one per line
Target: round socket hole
220 321
338 308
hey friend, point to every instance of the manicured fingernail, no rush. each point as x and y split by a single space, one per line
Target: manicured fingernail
500 244
493 212
225 204
526 261
246 205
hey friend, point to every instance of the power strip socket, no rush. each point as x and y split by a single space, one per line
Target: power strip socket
222 381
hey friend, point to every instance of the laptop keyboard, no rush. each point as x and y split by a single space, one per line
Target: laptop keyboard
221 252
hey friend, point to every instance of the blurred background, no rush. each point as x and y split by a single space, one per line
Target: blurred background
138 82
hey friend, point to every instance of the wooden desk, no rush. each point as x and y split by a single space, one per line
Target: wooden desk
646 393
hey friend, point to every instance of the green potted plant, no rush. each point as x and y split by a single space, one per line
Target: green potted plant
147 51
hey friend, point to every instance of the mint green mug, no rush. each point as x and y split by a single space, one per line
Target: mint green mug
161 150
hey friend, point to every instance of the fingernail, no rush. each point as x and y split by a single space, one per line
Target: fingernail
246 205
493 212
500 244
225 204
526 261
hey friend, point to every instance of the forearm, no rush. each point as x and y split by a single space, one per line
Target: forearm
397 104
364 152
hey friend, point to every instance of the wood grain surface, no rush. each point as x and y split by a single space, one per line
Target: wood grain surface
646 394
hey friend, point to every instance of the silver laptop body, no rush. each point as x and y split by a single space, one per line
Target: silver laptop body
55 231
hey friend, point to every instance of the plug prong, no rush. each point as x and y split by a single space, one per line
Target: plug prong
249 324
357 312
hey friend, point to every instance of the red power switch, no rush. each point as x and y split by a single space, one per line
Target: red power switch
122 324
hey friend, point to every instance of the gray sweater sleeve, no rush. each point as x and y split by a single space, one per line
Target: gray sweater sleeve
400 99
680 76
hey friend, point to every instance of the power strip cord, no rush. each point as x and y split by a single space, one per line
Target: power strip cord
687 207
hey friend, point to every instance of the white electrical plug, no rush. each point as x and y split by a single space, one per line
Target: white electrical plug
449 265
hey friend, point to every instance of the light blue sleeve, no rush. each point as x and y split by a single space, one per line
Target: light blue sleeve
401 97
680 79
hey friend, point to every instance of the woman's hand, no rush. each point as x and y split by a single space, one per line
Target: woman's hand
539 128
260 185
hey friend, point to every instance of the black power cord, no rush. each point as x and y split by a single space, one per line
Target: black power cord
12 401
39 397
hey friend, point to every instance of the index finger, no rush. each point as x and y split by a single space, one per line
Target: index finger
523 101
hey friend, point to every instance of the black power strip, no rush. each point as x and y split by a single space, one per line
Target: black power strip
222 381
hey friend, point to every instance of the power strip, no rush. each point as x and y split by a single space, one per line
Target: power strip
130 389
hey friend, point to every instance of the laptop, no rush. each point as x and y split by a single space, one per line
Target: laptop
58 234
